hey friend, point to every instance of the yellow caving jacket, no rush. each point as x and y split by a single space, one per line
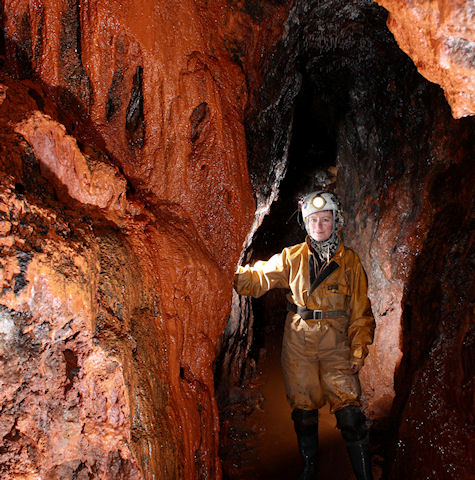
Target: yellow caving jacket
341 286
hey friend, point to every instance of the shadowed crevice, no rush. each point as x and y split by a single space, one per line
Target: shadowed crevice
135 120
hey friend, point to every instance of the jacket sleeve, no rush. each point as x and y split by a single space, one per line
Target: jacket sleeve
361 327
263 276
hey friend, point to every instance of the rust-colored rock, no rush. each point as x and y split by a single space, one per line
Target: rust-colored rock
440 39
82 178
157 92
65 408
419 242
125 202
103 360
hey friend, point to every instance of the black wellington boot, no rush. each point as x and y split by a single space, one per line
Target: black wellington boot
360 458
306 428
352 423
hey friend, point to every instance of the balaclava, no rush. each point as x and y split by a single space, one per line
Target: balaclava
319 202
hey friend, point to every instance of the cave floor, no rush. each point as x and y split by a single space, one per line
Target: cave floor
263 445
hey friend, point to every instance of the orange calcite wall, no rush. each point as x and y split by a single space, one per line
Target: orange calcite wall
124 203
439 36
155 88
125 200
107 344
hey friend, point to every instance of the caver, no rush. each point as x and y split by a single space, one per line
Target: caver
328 329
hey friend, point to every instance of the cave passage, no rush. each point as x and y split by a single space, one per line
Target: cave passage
263 443
343 107
144 150
271 444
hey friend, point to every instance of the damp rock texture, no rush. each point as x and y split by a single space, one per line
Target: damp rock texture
137 140
351 99
125 199
102 363
413 228
159 89
440 39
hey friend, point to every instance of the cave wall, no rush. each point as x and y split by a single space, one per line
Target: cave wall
125 202
158 92
102 356
439 37
125 185
407 187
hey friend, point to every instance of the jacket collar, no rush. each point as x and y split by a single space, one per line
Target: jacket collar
333 265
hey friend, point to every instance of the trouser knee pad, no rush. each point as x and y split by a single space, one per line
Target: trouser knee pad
352 423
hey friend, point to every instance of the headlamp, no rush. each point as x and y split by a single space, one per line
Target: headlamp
318 202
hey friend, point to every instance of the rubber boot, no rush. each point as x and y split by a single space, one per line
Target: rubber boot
360 458
306 428
352 424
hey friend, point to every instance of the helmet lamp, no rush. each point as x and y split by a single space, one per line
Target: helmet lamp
318 202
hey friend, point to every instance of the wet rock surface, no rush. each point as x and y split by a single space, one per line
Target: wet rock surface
440 39
132 140
128 80
416 228
125 202
103 361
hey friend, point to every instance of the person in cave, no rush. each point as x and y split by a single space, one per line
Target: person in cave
327 331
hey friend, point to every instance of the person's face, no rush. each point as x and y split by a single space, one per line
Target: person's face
320 225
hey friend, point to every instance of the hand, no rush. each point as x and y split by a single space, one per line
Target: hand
355 368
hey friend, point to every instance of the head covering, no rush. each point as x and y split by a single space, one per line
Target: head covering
322 201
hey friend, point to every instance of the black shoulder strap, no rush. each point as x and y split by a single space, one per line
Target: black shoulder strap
327 271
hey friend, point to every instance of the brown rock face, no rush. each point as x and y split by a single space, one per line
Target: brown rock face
125 200
103 362
126 131
109 329
420 260
440 39
157 92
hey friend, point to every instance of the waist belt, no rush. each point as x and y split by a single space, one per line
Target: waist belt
307 314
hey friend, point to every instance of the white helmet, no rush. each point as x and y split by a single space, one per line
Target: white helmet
321 201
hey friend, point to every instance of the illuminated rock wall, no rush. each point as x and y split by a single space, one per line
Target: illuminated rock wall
440 39
153 86
103 360
125 199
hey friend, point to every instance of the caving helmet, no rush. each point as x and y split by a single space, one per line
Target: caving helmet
321 201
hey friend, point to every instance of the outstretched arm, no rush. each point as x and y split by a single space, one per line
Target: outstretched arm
263 276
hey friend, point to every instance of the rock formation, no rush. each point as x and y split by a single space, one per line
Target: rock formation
125 200
99 369
440 39
137 142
